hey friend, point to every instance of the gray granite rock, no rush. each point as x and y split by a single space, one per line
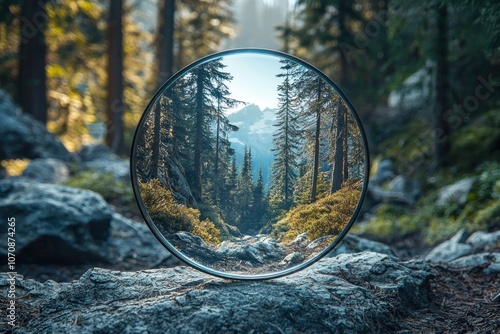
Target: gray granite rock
357 293
55 224
455 193
22 137
63 225
484 241
451 249
489 263
354 244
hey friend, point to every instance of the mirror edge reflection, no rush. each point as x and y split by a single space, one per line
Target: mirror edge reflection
229 275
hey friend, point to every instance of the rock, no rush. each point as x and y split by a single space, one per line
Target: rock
22 137
455 193
55 224
416 90
253 251
133 246
483 241
195 248
319 242
299 239
451 249
384 172
378 194
406 187
358 293
488 262
355 244
174 177
101 159
47 171
292 259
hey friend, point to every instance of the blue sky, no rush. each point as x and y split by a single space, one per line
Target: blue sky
254 79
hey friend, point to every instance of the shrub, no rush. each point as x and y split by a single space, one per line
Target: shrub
489 215
113 190
171 217
326 216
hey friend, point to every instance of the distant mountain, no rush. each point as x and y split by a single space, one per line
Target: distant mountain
256 128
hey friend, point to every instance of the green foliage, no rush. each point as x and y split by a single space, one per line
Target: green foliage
436 223
326 216
489 180
488 215
113 190
477 140
171 217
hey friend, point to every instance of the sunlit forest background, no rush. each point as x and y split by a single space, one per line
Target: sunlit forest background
423 76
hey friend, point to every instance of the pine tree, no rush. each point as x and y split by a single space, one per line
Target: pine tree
209 102
286 142
259 200
245 191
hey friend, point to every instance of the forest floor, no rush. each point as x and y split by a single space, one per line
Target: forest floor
460 301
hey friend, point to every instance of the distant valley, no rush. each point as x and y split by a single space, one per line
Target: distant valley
256 128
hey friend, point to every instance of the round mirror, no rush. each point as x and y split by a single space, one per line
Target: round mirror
249 164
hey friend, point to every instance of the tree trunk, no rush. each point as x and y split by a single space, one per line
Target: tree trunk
346 148
441 130
114 102
198 144
165 40
316 145
338 158
165 54
32 91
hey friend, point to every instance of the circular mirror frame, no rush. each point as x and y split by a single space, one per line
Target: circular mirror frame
191 262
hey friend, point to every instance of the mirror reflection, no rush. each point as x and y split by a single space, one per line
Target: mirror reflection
250 163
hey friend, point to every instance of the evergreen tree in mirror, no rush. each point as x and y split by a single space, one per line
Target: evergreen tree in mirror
286 141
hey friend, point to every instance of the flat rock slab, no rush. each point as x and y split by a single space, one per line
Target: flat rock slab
350 293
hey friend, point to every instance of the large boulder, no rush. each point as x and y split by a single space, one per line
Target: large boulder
59 225
22 137
55 224
359 293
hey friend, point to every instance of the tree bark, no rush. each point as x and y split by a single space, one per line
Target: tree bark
114 101
32 91
198 144
165 41
316 145
338 159
441 130
346 148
